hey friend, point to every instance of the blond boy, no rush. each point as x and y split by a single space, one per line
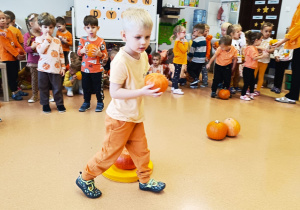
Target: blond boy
125 113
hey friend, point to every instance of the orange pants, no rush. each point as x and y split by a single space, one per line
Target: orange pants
261 69
120 134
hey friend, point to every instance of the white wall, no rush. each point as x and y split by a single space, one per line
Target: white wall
286 16
22 8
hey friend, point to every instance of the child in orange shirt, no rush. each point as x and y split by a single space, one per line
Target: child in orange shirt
253 40
226 58
91 67
11 20
125 113
65 37
10 53
180 56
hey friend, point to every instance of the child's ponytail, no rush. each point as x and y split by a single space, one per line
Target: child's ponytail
252 36
30 18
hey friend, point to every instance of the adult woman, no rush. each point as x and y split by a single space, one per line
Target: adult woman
292 39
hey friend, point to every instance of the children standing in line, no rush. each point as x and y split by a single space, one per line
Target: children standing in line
91 68
235 31
32 55
125 113
263 63
226 58
65 37
282 58
156 67
251 56
51 65
180 56
10 53
11 18
197 54
72 79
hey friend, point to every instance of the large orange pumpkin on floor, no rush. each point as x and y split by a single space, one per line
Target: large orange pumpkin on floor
224 94
124 161
233 127
90 49
216 130
159 81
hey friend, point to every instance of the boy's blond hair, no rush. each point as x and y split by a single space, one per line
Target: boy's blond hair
225 25
206 26
136 17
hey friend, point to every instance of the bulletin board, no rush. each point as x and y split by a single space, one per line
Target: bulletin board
109 13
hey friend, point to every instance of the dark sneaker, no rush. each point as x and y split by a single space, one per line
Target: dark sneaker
196 81
273 89
232 90
220 85
17 96
88 187
85 106
213 95
99 107
194 86
277 90
61 108
238 89
23 93
46 108
152 186
204 85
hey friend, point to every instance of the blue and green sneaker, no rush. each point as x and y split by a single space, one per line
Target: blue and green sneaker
152 186
88 187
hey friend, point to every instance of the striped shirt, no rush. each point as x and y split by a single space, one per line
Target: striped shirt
198 50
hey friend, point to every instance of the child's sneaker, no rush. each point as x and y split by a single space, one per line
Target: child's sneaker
61 108
152 186
51 99
80 91
273 89
248 92
99 107
196 81
285 100
251 96
178 91
245 97
232 90
204 85
46 109
17 96
256 93
33 99
21 93
88 187
194 86
85 106
277 90
213 94
238 89
172 89
70 93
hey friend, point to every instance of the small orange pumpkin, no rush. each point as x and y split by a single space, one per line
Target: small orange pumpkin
124 161
216 130
54 53
233 125
217 44
110 14
159 81
95 12
224 94
209 37
79 75
90 49
46 66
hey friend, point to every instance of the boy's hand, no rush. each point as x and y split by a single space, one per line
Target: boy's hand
184 40
214 46
3 34
48 37
98 53
146 91
207 66
206 60
62 72
63 40
33 45
277 58
83 50
21 57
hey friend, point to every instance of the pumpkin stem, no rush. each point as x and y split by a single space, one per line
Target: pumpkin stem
217 121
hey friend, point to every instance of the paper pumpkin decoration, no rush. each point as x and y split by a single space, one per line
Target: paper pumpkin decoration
95 12
110 14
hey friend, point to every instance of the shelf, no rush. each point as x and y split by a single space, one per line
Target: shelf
171 16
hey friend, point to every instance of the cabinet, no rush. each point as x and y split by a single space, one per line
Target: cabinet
287 78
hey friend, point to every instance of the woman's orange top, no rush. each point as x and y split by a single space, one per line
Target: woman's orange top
294 33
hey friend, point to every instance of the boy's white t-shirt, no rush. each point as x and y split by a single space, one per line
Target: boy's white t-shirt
128 72
265 44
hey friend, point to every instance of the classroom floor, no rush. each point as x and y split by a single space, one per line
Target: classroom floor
41 155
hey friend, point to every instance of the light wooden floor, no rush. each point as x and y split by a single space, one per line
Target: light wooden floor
41 155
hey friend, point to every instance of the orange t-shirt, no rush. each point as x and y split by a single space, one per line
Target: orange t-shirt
17 33
250 52
92 64
224 58
8 46
68 36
